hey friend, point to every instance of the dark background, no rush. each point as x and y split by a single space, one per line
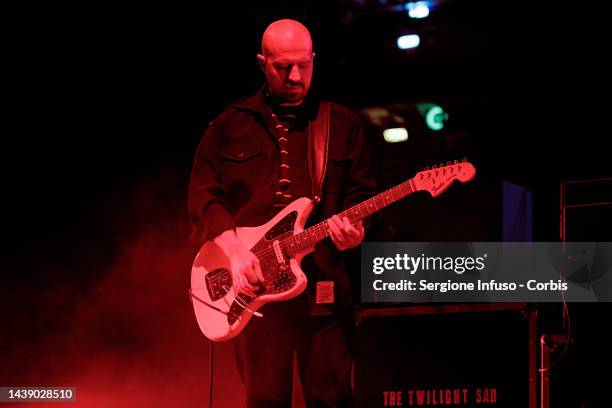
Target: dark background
105 106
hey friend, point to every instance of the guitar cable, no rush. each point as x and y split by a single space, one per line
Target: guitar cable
210 342
210 373
239 302
194 296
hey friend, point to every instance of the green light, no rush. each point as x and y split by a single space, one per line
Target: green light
435 117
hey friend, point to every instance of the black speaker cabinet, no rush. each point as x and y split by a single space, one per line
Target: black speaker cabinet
446 355
586 210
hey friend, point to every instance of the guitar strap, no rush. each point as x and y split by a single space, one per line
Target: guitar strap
318 146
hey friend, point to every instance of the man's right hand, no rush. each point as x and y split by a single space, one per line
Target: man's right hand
245 266
246 270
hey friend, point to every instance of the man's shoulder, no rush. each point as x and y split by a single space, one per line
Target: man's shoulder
230 113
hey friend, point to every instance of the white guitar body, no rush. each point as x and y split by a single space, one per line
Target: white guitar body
211 276
280 245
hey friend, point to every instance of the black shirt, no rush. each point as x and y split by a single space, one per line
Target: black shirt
292 135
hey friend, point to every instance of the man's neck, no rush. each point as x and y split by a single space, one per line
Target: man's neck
276 101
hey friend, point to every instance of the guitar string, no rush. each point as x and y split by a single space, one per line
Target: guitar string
322 226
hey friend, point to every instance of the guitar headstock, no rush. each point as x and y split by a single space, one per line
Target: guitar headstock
438 178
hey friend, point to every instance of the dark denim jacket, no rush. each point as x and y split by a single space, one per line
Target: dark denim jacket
237 165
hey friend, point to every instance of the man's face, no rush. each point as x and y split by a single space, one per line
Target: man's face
289 74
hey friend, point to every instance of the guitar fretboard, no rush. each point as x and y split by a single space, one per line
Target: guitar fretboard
310 236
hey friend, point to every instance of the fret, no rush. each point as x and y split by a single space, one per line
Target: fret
318 232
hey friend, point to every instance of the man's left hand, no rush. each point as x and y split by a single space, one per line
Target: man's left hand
344 234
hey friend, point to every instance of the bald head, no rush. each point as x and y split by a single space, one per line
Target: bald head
285 35
286 60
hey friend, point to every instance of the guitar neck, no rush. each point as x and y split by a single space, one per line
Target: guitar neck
310 236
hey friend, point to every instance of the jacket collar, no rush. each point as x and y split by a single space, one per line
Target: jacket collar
259 103
256 102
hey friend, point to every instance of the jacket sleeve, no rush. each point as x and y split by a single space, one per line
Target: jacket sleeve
207 214
361 180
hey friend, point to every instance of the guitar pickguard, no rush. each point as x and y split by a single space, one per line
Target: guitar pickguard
236 308
278 277
217 281
283 226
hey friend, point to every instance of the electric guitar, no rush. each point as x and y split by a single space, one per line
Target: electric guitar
280 244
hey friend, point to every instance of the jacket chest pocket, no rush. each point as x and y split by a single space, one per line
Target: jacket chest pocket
241 167
239 155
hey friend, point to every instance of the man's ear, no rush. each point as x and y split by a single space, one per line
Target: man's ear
262 62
